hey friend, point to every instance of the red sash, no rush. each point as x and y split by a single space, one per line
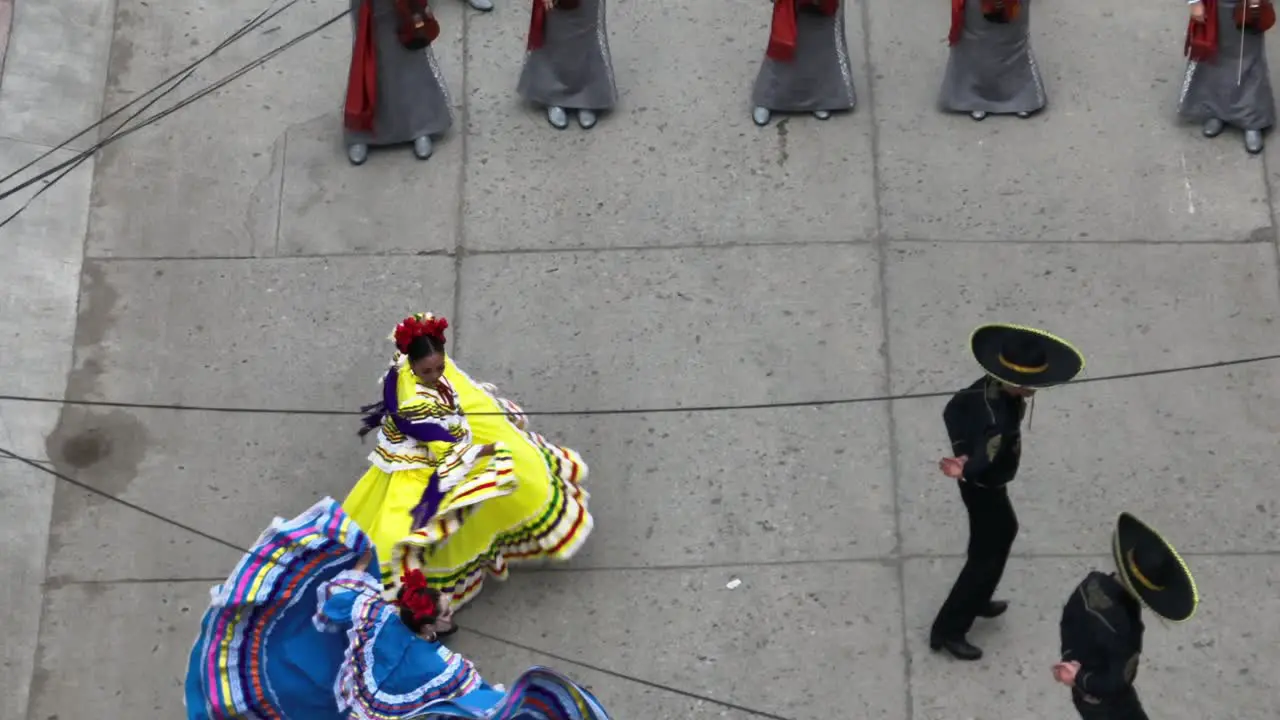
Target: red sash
538 25
362 81
957 22
1202 37
538 21
783 32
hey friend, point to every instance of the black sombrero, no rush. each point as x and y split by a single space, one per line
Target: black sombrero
1024 356
1153 571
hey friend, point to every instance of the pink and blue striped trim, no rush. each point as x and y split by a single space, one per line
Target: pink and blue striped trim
263 586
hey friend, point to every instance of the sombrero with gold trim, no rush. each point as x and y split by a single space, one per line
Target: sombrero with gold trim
1024 356
1152 569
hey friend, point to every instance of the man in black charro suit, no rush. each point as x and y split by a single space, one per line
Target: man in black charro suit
984 422
1102 627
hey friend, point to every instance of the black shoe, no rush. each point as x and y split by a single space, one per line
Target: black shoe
959 648
993 609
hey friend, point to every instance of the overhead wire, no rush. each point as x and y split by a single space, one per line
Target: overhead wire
64 168
9 454
70 166
258 20
821 402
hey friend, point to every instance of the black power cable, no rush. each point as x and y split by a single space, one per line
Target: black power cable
62 169
185 72
75 162
828 402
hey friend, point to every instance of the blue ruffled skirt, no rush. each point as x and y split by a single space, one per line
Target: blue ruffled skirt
259 655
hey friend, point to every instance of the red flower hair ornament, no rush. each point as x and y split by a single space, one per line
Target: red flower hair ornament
416 326
416 597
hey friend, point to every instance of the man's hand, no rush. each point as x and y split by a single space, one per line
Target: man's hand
486 451
1065 672
1197 11
549 4
953 467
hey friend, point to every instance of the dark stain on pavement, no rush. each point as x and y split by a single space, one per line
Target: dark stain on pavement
101 448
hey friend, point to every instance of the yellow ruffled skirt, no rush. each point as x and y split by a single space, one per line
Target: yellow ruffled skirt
381 504
529 505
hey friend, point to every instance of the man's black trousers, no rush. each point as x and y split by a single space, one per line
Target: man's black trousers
992 529
1125 707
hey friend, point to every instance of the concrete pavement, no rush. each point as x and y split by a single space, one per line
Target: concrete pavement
51 88
674 256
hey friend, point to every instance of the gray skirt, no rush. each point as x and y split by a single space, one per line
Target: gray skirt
820 77
412 98
1210 90
992 68
572 69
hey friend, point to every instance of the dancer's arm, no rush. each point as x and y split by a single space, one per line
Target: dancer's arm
336 597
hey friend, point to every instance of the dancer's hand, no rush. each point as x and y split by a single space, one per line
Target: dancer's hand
445 619
953 467
1197 11
549 4
362 564
486 451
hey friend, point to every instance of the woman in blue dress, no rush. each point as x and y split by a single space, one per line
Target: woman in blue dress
300 631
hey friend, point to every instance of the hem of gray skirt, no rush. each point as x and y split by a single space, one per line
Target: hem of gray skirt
1237 124
843 106
807 110
350 139
993 109
570 104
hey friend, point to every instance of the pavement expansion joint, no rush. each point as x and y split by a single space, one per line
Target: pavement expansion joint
463 253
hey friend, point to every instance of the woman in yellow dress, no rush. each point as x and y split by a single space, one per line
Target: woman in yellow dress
458 486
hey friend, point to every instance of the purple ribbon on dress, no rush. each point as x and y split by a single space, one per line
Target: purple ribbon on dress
427 504
421 430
